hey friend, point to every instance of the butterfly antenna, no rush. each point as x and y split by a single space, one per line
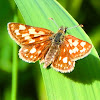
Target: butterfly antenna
75 26
54 21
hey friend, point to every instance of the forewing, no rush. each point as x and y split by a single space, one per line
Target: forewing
62 61
24 34
32 53
77 48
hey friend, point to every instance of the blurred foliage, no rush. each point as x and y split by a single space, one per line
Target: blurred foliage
86 12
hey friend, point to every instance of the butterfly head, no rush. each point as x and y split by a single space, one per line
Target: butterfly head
59 36
62 30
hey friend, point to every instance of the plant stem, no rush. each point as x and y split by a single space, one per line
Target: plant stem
14 73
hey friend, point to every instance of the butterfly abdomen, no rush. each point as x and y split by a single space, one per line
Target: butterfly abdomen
51 54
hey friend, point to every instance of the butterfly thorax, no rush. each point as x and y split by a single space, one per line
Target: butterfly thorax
58 38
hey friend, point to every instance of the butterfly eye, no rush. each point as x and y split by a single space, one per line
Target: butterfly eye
61 28
65 29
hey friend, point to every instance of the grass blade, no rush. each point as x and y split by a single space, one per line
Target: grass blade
84 82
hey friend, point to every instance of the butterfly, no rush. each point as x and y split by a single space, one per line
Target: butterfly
55 49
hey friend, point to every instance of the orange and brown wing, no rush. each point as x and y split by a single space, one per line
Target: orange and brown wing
71 50
77 48
24 34
62 62
34 41
35 52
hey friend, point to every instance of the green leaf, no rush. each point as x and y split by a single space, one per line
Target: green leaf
84 82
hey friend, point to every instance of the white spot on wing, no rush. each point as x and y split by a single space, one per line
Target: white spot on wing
17 32
41 38
64 67
64 50
69 63
27 37
12 25
36 35
82 44
25 50
83 50
65 60
42 43
33 50
39 52
75 50
34 57
60 58
75 43
58 64
31 56
32 41
70 51
32 31
67 45
70 40
26 55
22 27
41 33
23 35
